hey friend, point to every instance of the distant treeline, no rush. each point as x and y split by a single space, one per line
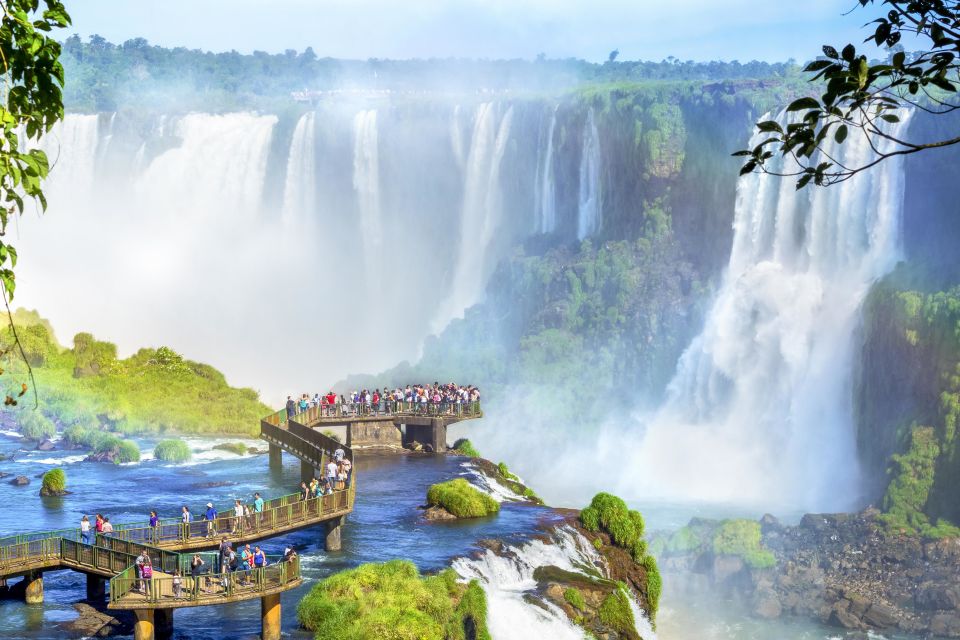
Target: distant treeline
102 76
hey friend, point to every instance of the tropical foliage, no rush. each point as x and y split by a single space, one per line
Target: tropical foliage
462 499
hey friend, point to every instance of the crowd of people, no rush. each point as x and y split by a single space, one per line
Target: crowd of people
446 398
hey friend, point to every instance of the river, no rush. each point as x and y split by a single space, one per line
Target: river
384 525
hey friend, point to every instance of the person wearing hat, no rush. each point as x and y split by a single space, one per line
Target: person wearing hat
210 516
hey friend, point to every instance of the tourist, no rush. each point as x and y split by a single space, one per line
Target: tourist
99 524
146 573
304 491
196 568
177 586
289 553
332 468
138 566
185 521
347 468
231 566
224 553
291 407
339 454
304 403
85 529
258 508
341 477
246 562
210 516
238 512
107 527
259 558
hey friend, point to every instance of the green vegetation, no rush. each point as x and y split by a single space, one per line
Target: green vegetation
909 400
625 526
574 596
654 584
152 391
330 434
505 472
54 482
462 499
464 447
742 538
233 447
393 601
172 451
36 426
615 611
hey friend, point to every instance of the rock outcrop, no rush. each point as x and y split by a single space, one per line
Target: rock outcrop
20 481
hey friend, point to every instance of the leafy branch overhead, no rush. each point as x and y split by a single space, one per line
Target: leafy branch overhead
866 99
32 103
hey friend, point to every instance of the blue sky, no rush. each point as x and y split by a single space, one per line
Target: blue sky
642 29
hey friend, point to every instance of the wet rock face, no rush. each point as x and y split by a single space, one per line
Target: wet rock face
840 569
437 513
46 445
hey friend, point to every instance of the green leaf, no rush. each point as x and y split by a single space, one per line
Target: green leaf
849 53
840 134
830 52
803 103
748 168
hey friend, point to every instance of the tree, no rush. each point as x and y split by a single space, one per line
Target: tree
867 99
613 55
32 104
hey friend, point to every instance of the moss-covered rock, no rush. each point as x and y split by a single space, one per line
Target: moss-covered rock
394 602
54 483
463 447
741 538
462 499
172 451
233 447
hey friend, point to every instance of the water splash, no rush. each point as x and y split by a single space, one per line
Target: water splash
544 190
366 183
300 186
588 211
760 409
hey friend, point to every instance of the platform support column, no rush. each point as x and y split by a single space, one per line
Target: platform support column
95 587
276 456
143 628
306 471
163 623
333 542
33 588
438 434
270 617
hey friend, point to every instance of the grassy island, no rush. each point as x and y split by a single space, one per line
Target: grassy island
393 601
172 451
462 499
54 483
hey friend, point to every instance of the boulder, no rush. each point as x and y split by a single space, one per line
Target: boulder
103 456
937 597
946 625
725 567
881 616
768 606
20 481
840 616
46 445
437 513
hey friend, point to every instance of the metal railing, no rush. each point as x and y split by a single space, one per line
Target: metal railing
126 588
391 408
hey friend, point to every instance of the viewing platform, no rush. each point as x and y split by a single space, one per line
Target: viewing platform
171 545
386 425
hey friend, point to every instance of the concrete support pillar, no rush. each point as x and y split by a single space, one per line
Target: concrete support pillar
349 434
270 617
33 588
95 587
163 623
438 435
143 625
306 471
276 456
333 542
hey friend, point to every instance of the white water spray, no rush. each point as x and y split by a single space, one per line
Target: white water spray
760 409
366 183
588 212
300 186
544 191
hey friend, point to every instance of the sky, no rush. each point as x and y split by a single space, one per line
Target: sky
772 30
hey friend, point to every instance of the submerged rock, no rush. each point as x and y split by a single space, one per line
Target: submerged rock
20 481
92 623
46 445
433 513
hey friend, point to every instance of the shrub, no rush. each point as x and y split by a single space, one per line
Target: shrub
330 434
654 585
465 448
80 435
505 472
127 452
462 499
609 513
615 612
575 598
393 601
233 447
36 426
172 451
54 482
742 538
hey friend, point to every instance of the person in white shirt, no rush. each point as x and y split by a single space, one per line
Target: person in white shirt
332 473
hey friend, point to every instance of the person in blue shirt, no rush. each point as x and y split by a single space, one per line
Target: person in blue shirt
210 516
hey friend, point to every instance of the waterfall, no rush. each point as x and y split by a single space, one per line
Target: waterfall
588 211
481 211
366 183
299 189
72 151
546 202
507 579
760 408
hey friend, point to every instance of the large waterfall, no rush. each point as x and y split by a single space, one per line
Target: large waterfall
366 182
760 409
588 218
300 187
544 189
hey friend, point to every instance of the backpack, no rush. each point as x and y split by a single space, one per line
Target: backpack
147 571
233 561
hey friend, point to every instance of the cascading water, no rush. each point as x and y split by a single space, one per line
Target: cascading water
544 191
300 186
366 183
588 211
481 210
72 148
760 409
507 578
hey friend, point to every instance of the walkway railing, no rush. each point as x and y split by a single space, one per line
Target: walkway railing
205 588
382 408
